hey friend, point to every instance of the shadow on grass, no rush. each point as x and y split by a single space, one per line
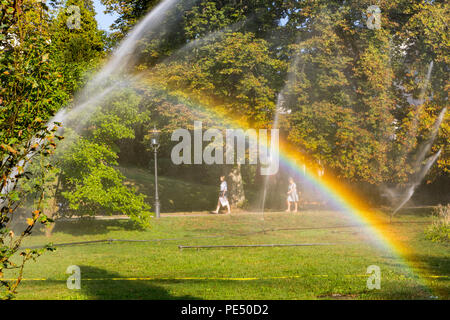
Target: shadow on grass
433 270
437 267
108 288
88 226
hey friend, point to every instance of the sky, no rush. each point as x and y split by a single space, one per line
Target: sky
103 20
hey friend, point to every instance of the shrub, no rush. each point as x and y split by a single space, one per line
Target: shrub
439 231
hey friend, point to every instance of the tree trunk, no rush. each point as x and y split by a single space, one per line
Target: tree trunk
236 187
51 212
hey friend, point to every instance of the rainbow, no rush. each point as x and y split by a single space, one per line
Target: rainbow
378 227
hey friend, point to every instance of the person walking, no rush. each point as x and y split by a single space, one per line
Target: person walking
223 200
292 195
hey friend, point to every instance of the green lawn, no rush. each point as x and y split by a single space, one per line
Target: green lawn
337 271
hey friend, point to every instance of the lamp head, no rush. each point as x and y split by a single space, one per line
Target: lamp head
154 137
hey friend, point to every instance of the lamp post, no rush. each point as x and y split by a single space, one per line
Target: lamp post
154 140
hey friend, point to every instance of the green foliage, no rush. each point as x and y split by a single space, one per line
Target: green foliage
235 74
348 84
348 100
36 61
94 186
439 231
77 49
129 13
31 90
206 18
341 110
90 183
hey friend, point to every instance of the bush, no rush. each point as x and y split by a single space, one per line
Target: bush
439 231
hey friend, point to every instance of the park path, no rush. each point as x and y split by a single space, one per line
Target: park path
172 215
238 212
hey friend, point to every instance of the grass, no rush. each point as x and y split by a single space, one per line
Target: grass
337 271
175 195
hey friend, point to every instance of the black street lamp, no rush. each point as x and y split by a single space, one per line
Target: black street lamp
154 140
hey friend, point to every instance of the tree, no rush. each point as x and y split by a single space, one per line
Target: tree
349 89
349 100
232 75
77 41
89 182
31 90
